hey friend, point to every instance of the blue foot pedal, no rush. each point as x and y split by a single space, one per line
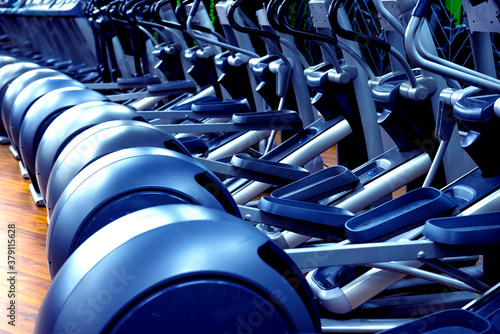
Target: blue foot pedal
454 321
399 214
279 173
464 230
320 185
315 220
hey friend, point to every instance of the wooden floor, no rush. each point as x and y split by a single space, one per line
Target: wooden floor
29 262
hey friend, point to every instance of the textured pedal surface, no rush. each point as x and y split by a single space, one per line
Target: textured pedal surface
464 230
400 213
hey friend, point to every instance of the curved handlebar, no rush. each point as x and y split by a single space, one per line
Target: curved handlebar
232 48
285 25
384 46
351 35
437 65
388 17
237 27
282 24
421 8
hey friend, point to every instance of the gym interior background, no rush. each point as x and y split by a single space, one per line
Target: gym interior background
242 166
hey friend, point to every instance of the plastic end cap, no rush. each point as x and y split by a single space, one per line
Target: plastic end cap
334 300
421 8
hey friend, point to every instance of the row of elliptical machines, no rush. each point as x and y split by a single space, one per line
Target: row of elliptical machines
151 231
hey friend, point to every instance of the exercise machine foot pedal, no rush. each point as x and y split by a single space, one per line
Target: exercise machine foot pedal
464 230
275 119
448 321
399 214
279 173
315 220
322 184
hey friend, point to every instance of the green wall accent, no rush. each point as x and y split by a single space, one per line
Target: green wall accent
455 8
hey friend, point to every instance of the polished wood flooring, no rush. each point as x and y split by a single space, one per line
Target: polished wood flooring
18 209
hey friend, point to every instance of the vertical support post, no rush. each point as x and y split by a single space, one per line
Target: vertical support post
482 52
299 84
453 160
364 98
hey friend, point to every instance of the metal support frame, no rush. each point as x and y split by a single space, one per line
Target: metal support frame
244 42
14 152
367 109
359 325
216 127
351 254
239 144
345 253
299 157
37 197
23 170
